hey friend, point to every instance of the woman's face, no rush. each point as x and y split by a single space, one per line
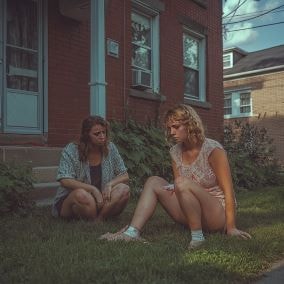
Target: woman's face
97 135
177 130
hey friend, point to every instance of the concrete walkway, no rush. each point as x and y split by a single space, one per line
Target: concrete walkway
275 275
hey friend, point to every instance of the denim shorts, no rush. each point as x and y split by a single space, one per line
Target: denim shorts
59 203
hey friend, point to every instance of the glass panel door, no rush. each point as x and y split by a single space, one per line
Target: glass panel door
1 62
23 91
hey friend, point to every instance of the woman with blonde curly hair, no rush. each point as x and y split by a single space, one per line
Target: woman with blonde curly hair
92 175
202 196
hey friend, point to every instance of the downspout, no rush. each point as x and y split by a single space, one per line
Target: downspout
97 64
125 104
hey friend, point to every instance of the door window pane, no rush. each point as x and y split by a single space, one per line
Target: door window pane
22 45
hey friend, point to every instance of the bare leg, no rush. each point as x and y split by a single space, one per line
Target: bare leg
119 198
79 203
201 209
151 195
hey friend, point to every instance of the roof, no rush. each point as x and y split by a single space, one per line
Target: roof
258 60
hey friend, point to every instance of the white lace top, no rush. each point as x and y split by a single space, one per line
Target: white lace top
200 170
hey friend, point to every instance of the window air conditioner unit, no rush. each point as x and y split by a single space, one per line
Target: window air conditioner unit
141 79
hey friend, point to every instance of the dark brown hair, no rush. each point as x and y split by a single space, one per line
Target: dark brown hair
84 142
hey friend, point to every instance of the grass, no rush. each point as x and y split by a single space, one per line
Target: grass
40 249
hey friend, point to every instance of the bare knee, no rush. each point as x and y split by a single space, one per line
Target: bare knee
81 196
84 204
154 183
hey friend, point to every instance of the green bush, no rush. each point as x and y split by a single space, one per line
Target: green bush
143 149
251 155
15 183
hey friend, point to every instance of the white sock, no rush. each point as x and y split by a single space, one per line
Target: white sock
132 232
197 235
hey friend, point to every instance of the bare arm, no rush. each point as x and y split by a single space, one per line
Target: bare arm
219 162
220 165
124 178
106 192
74 184
175 169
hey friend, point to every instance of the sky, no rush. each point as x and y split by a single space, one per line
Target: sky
253 39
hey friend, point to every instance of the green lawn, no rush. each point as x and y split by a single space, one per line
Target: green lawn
40 249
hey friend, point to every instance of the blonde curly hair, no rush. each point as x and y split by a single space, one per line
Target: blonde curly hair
187 116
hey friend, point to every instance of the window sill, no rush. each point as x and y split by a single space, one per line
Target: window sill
206 105
238 116
147 95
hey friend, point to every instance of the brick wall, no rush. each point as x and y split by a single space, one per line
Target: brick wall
68 75
268 105
68 68
121 104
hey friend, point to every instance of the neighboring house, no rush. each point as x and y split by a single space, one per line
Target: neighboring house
61 60
254 90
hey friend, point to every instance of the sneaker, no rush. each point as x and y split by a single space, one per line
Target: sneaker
195 244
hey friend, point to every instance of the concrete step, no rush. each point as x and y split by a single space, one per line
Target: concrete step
35 156
43 192
45 174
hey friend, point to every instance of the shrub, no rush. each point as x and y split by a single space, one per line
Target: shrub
143 149
251 155
15 183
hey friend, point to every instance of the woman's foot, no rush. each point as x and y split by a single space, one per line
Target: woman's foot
120 235
195 244
108 235
123 237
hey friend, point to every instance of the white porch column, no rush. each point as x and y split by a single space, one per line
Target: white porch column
97 80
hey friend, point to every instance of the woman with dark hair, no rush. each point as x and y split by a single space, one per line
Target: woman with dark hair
92 175
202 196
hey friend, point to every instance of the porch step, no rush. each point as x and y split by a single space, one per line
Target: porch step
45 174
44 162
45 185
44 193
35 156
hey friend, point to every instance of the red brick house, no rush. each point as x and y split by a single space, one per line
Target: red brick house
61 60
254 90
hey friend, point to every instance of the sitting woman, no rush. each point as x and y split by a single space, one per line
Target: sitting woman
92 175
202 196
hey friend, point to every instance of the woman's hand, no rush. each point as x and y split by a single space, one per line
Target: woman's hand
106 192
238 233
98 198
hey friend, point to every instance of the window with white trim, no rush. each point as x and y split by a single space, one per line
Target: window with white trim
237 104
228 60
194 66
145 49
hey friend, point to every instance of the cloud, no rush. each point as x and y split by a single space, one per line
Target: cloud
234 39
247 8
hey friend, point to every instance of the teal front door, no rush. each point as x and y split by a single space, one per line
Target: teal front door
21 67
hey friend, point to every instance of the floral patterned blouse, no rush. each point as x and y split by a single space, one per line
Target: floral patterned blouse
200 170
